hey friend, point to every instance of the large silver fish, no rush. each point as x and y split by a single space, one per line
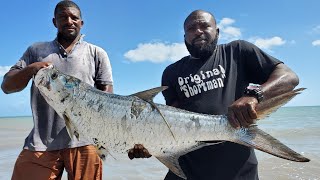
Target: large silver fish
115 123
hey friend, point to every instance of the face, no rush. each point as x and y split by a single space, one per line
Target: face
68 22
201 34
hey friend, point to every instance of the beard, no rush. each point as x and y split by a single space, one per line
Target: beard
204 51
67 37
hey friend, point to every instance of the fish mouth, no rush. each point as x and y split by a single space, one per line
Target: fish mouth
42 77
42 80
43 84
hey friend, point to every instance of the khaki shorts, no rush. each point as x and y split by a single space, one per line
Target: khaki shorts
80 163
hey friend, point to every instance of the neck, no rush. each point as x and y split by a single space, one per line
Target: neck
68 43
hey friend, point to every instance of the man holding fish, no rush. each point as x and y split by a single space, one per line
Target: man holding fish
215 79
48 149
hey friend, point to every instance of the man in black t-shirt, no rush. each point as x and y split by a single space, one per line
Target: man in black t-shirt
213 80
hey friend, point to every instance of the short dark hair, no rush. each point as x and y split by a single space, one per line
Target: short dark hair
64 4
194 13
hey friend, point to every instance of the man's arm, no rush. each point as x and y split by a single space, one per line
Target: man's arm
281 80
242 112
17 80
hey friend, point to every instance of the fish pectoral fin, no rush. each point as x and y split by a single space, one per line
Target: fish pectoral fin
102 151
172 162
258 139
164 119
149 94
72 133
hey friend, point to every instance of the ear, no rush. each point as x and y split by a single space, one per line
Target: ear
217 32
54 22
82 23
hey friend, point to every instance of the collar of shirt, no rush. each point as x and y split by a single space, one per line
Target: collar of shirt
62 51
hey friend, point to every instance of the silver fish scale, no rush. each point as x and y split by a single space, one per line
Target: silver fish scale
119 122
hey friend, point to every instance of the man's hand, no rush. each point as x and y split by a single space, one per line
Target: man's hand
16 80
138 151
35 67
242 112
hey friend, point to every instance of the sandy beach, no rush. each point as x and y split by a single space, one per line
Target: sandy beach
302 136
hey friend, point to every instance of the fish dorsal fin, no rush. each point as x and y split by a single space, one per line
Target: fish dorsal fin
265 108
149 94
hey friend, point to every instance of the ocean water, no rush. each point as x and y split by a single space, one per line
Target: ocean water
297 127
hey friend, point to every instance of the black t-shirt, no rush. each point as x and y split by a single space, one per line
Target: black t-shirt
210 86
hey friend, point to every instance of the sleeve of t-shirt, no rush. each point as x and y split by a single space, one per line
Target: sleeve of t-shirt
170 95
258 64
104 70
23 61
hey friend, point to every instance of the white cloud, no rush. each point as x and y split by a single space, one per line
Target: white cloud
227 31
268 43
316 29
157 52
316 43
232 31
4 70
226 22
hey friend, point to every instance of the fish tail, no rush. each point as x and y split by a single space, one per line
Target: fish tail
265 108
258 139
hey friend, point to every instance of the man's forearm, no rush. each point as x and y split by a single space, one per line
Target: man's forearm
282 80
16 80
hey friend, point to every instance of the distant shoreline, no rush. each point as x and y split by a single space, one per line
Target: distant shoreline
22 116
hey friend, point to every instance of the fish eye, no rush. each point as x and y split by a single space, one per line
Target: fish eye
54 76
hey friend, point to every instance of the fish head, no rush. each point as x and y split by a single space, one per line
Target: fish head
58 89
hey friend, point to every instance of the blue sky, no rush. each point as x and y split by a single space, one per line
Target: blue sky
143 37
